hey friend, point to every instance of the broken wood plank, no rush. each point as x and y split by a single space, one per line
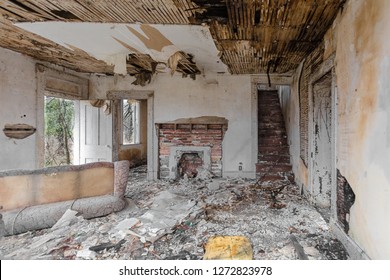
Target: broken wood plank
298 248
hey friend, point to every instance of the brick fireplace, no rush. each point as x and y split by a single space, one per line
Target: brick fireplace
188 145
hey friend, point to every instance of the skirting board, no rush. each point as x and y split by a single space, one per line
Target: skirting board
353 249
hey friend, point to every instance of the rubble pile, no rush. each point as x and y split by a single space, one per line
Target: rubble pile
175 219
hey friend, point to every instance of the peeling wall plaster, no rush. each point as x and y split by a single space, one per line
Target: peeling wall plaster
18 99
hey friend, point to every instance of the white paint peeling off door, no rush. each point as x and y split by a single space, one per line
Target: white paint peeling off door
322 144
95 134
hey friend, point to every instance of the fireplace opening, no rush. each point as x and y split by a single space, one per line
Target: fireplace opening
188 165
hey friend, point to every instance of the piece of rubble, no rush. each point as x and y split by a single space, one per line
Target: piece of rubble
67 219
213 186
141 238
105 228
107 246
126 224
204 174
228 248
311 251
298 248
86 254
2 226
168 209
90 241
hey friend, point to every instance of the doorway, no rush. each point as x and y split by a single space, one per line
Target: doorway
142 144
94 130
132 119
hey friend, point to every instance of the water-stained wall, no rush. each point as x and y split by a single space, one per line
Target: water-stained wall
360 39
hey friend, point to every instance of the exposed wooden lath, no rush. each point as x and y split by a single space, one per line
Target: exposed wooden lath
253 36
118 11
137 63
271 35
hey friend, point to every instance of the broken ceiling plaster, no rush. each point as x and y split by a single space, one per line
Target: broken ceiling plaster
113 42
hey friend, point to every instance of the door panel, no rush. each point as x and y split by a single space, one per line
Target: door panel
322 148
95 134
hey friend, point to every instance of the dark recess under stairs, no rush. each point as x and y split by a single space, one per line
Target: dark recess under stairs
274 157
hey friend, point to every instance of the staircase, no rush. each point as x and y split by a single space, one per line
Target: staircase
273 165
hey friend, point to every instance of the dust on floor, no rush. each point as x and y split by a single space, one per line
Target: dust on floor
174 220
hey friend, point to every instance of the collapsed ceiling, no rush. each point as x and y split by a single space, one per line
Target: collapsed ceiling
242 36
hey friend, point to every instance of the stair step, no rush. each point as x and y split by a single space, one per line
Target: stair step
264 115
283 159
268 117
272 141
271 126
261 97
269 106
274 150
276 177
273 168
269 102
271 132
270 121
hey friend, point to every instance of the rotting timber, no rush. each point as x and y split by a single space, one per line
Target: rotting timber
250 35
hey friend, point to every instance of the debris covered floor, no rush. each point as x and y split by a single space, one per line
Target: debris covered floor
174 220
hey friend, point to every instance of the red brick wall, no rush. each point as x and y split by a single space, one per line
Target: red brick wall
201 135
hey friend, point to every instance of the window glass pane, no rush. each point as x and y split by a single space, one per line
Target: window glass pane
130 124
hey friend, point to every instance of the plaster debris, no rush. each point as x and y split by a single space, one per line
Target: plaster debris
167 210
66 220
175 219
86 254
127 224
2 226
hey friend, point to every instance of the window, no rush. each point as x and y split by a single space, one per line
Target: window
130 122
59 123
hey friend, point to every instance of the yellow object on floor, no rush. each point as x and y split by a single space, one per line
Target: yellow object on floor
228 248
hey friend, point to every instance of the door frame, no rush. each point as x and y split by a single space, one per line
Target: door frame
261 82
116 96
325 68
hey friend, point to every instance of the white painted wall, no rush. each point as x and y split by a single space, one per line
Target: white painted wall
360 37
18 105
176 98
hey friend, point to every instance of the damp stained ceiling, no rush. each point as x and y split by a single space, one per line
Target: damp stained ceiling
188 36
